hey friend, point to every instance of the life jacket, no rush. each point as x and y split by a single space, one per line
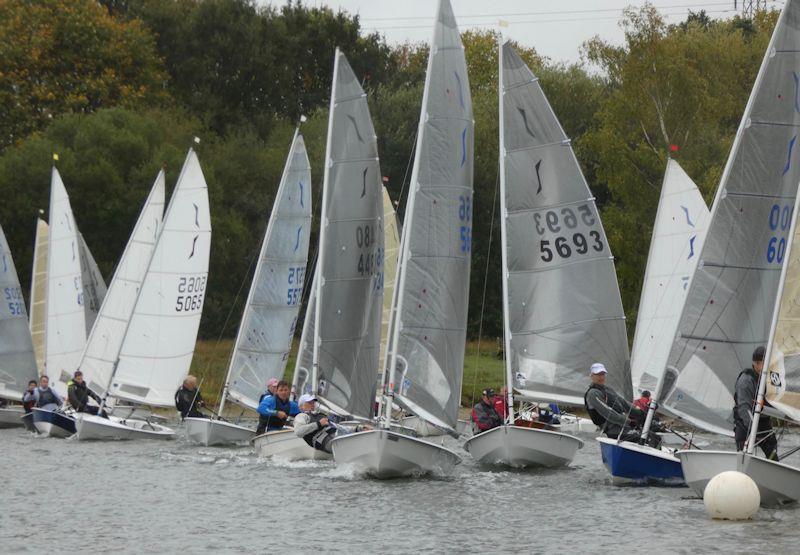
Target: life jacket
598 420
275 422
316 438
46 397
754 376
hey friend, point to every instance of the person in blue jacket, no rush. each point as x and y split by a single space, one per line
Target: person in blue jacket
274 410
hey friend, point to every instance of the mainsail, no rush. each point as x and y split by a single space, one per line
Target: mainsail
159 341
349 292
268 323
38 299
17 361
65 328
563 305
301 381
731 298
678 235
105 340
391 249
429 325
94 288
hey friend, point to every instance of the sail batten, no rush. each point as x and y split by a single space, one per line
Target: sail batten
265 334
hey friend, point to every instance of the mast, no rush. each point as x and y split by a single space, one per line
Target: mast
504 242
750 446
267 233
322 228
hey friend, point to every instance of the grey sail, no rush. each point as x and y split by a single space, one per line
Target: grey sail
349 291
732 295
94 288
301 381
429 327
17 361
563 301
267 328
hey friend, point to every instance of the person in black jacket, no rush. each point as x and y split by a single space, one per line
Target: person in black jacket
744 398
188 399
78 394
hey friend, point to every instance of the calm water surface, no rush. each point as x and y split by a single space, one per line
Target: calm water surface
62 495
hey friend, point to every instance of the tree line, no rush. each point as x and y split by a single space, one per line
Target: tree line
118 88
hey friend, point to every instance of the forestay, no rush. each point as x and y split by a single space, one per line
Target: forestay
678 235
94 288
563 301
732 296
391 243
270 316
429 327
349 291
17 361
105 340
65 331
159 343
38 298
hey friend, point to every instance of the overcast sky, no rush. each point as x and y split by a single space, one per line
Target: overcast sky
556 28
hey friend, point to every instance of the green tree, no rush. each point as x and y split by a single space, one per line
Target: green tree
59 56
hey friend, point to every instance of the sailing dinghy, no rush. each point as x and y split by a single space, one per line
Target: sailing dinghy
17 360
744 291
265 334
561 303
425 353
342 328
148 354
678 236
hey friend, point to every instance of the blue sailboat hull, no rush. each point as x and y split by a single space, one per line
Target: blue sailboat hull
53 423
630 463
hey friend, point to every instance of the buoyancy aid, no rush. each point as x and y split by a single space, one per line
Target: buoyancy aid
593 414
46 397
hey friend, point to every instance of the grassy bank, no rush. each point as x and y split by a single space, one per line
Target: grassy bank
482 368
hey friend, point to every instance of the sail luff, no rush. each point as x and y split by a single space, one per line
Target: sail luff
94 288
38 298
391 252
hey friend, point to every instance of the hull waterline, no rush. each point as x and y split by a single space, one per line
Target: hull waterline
520 447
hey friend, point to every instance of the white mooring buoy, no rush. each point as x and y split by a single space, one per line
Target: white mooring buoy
731 495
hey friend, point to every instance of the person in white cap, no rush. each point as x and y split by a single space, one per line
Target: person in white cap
313 426
609 410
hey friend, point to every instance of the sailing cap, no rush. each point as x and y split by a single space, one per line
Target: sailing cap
272 382
758 354
306 398
598 368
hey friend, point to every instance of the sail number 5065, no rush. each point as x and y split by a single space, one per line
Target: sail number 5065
191 290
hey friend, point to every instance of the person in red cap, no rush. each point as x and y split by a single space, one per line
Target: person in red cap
484 414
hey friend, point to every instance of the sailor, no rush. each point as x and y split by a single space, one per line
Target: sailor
274 410
188 400
79 393
272 387
29 398
500 403
313 426
744 398
610 411
643 402
46 397
484 414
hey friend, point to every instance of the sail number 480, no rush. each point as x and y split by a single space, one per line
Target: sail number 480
780 217
191 291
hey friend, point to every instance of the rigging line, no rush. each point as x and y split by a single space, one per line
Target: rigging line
483 298
405 177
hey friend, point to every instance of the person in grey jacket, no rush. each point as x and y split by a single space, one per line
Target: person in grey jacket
313 426
744 398
45 396
610 411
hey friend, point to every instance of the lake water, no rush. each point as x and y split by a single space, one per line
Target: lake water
144 497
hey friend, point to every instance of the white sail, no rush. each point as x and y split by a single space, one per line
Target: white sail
38 298
429 325
349 292
270 315
391 246
678 235
94 288
303 366
731 298
65 328
563 307
160 339
17 361
105 339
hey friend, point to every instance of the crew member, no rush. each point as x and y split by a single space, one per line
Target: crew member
274 410
46 397
744 398
643 402
484 414
312 425
29 398
79 393
188 400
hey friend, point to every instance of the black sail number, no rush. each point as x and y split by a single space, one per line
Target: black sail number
565 240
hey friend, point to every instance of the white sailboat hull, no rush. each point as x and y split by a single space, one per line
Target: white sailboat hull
89 427
421 427
11 417
778 483
216 432
286 445
385 454
571 424
520 447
